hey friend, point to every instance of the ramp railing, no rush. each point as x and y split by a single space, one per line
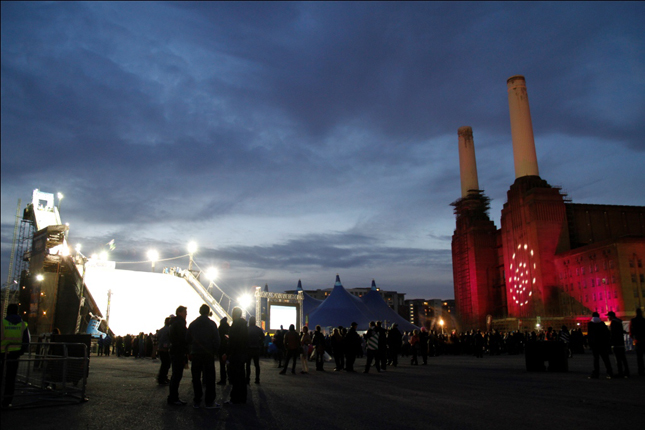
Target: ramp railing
222 307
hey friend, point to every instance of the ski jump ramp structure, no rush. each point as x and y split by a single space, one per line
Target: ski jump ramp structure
63 289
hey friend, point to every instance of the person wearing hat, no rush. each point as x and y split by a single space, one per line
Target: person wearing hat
618 344
599 341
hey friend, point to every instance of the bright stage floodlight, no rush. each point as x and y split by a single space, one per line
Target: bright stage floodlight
104 256
39 277
192 248
245 301
212 273
153 255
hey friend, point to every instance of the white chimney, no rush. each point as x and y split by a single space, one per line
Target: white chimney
467 163
521 128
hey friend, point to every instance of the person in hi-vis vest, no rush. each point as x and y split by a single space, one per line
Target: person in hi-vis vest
15 340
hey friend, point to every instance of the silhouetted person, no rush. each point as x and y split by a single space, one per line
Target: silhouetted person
223 337
256 342
164 352
237 354
178 353
637 332
599 342
618 344
352 346
319 348
203 338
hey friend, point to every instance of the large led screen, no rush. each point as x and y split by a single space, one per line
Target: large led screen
282 316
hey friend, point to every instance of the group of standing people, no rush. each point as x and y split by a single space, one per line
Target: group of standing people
603 339
202 343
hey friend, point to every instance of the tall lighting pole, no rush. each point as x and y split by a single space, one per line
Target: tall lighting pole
153 256
192 248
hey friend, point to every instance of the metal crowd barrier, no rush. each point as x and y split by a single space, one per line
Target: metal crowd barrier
49 373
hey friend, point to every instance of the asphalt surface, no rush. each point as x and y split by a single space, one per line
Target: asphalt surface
451 392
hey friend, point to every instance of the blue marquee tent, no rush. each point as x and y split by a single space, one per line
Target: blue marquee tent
341 308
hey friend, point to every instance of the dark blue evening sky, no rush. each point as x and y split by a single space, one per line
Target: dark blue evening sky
300 140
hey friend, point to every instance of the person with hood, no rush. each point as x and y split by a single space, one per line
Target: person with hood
618 344
599 342
15 341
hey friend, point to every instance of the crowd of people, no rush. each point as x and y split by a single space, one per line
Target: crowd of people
238 347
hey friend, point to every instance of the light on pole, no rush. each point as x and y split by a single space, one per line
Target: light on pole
60 200
192 248
441 323
153 256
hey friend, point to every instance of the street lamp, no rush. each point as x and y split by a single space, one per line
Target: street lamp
153 256
192 248
441 323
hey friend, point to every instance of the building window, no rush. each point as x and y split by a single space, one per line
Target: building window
633 278
615 294
611 264
594 297
642 278
593 282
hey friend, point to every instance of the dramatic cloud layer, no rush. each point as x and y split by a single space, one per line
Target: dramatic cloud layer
300 140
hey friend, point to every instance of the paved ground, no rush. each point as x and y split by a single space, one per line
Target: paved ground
450 393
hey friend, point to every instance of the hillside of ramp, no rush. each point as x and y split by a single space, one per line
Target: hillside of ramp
140 301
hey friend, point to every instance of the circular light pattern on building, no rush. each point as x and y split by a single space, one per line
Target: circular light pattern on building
521 281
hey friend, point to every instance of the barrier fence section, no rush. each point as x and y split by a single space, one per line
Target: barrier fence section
49 373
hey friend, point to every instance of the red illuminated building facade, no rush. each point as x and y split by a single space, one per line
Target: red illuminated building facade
552 262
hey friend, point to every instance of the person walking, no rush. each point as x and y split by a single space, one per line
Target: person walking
599 341
204 341
238 341
637 333
256 342
178 353
292 345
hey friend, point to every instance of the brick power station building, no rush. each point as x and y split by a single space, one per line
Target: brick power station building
552 262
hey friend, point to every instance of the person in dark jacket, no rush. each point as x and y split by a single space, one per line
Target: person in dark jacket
164 351
394 340
223 337
637 333
382 345
292 346
599 342
203 339
318 342
238 341
337 342
178 353
256 342
618 344
352 346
